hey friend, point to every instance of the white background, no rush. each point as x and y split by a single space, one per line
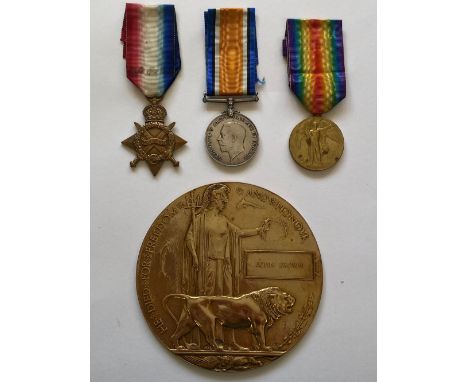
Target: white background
422 208
339 204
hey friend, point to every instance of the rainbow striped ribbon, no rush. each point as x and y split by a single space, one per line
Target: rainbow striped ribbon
314 50
231 51
151 47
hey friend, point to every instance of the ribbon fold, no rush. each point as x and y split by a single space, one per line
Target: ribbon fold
231 51
316 71
151 47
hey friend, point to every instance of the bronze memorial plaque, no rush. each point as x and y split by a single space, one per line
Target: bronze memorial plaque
229 276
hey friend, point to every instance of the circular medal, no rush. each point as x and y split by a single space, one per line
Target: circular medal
229 276
231 140
316 143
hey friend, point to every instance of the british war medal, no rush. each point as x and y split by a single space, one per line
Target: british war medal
231 76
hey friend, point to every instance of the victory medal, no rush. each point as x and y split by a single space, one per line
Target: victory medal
231 75
316 72
151 51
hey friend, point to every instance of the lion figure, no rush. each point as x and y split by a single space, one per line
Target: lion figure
253 311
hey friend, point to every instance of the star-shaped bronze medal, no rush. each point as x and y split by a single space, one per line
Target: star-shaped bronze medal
154 142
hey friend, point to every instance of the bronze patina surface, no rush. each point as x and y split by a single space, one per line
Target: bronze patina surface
229 276
316 143
154 142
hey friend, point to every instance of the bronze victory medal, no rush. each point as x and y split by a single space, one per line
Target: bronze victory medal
316 143
229 276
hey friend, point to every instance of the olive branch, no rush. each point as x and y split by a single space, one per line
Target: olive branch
301 322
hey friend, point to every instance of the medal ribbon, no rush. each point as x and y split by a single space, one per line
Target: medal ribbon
231 51
314 50
151 47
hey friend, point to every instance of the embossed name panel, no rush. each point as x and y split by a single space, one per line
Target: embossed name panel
278 265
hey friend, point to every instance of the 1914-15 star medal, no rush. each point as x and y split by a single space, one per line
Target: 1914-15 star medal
154 142
151 52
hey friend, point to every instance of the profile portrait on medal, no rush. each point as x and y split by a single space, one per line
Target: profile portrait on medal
231 139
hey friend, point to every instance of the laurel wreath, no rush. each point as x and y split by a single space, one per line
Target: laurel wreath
300 324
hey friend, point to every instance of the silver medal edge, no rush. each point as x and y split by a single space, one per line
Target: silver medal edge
224 116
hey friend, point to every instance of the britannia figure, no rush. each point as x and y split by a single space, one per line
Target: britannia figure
211 259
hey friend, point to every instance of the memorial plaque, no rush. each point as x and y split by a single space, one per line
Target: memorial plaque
229 276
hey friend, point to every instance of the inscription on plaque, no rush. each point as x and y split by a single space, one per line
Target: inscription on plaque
278 265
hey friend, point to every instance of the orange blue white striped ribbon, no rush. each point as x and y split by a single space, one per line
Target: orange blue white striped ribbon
231 51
